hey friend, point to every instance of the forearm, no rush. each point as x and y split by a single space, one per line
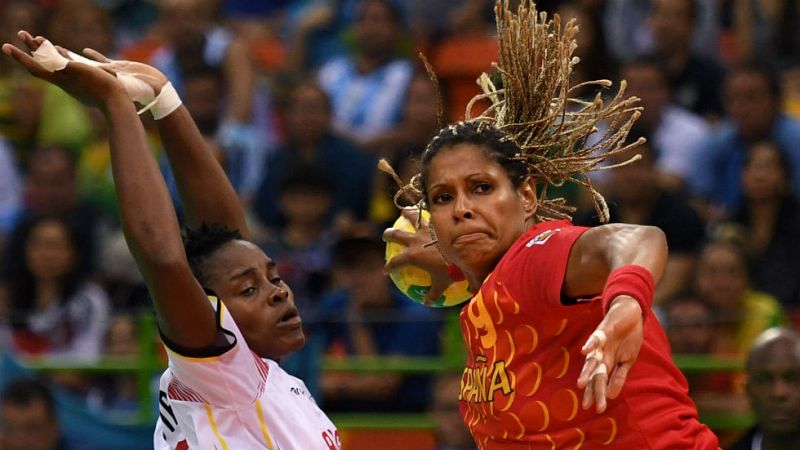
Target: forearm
204 188
151 230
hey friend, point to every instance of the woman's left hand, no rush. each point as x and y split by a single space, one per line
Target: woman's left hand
610 352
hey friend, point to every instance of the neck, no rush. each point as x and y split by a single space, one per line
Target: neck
676 60
368 63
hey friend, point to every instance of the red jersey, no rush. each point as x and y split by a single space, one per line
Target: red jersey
519 389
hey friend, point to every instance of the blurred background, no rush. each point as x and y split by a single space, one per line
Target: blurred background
299 99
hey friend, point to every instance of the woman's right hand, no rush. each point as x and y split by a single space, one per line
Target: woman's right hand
91 85
421 252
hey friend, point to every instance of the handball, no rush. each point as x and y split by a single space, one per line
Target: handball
416 282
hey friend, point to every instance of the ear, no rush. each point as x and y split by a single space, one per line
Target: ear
530 201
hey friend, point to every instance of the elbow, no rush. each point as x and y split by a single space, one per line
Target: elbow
654 241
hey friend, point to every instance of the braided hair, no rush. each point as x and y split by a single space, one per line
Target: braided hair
532 127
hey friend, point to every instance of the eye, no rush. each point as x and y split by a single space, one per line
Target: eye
440 199
276 280
248 291
483 188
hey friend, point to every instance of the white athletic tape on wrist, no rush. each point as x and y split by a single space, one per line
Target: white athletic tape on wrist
138 91
166 102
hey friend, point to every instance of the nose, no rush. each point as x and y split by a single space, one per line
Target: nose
278 295
462 208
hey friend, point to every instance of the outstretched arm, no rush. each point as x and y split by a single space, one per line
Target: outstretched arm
615 344
148 218
206 193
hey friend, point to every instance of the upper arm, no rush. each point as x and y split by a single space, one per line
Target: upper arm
184 314
602 249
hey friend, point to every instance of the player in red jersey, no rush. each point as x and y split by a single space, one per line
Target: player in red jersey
555 303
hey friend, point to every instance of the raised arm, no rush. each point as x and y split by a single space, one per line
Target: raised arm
147 215
204 188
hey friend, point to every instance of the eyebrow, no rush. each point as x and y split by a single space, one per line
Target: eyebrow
249 270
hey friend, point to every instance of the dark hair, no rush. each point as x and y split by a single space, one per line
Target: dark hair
352 252
694 9
498 147
25 391
394 11
22 282
764 71
306 178
783 159
201 242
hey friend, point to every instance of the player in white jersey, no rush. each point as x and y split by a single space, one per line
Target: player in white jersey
223 388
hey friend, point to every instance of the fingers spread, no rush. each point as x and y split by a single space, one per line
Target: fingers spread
593 361
399 260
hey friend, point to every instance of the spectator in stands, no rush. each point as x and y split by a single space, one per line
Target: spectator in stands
677 134
449 428
740 313
10 189
767 31
50 190
28 418
753 105
773 387
629 33
20 96
596 63
694 79
310 140
368 317
770 218
635 196
53 305
689 324
368 87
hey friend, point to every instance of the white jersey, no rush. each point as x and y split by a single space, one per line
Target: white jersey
237 401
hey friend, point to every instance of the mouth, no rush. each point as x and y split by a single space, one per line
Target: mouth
290 319
468 238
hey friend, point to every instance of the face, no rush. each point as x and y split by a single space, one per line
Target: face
773 386
476 212
764 176
376 30
671 24
308 115
50 186
647 83
750 104
689 329
635 181
28 427
49 251
722 276
419 108
305 207
202 97
262 305
365 281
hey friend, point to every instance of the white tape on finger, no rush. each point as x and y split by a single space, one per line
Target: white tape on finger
596 354
166 102
48 57
601 337
601 369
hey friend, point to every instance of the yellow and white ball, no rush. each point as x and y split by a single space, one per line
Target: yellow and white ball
416 282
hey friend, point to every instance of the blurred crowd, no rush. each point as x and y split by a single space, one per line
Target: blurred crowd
300 99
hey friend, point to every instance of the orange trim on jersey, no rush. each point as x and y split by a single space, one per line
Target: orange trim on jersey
263 424
214 426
